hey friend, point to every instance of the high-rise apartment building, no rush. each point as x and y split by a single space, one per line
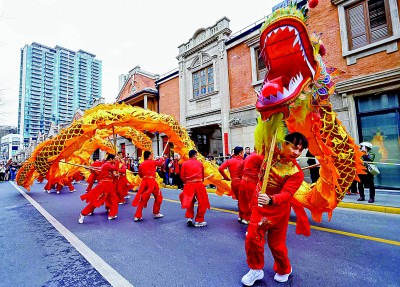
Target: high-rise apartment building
54 83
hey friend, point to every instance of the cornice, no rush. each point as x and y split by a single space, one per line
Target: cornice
375 80
203 44
202 115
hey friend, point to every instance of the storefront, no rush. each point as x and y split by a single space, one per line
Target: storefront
378 118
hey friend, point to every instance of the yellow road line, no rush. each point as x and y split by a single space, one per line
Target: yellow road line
350 234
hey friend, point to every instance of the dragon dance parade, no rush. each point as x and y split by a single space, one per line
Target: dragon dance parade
294 116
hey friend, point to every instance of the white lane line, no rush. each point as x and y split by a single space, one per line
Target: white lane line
109 273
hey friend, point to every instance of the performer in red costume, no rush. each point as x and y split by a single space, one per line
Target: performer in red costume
148 186
123 185
271 211
251 168
94 173
104 192
235 167
192 174
65 182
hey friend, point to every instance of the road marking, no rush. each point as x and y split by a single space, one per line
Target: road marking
350 234
109 273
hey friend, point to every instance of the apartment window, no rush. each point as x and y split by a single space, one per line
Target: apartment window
368 22
203 82
367 27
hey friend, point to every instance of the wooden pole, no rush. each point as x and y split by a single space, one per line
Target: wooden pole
311 166
115 141
269 163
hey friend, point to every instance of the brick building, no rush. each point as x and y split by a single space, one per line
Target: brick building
213 91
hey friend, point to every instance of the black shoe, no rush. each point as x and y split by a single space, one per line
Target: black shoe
189 222
371 200
361 199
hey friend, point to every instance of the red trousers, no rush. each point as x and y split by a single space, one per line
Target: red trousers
111 205
103 193
91 179
148 186
276 239
235 185
192 192
246 193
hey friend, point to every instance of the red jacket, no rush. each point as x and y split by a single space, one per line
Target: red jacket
192 170
148 167
235 166
251 166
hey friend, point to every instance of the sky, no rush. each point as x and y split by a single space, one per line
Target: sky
122 34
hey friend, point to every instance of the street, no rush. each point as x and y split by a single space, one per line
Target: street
42 244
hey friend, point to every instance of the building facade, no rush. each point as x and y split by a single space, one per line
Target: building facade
54 83
362 39
10 146
214 88
138 88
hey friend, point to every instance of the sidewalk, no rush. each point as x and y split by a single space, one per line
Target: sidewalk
387 201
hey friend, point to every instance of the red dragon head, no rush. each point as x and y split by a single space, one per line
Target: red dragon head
288 53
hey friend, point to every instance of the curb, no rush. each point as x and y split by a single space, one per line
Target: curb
369 207
377 208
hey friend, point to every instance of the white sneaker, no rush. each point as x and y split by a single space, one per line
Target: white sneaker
72 190
136 219
252 276
244 221
112 217
282 278
200 224
58 192
128 196
189 222
80 219
158 215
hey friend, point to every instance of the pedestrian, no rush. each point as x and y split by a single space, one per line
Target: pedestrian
271 211
148 186
365 179
2 171
314 171
177 166
192 174
235 167
246 152
103 193
248 184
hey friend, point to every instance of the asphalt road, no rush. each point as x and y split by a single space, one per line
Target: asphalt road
42 244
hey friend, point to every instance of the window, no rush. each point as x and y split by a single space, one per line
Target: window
261 68
369 21
367 27
203 82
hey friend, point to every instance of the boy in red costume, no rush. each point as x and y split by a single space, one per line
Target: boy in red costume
104 192
251 168
271 211
192 174
148 186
